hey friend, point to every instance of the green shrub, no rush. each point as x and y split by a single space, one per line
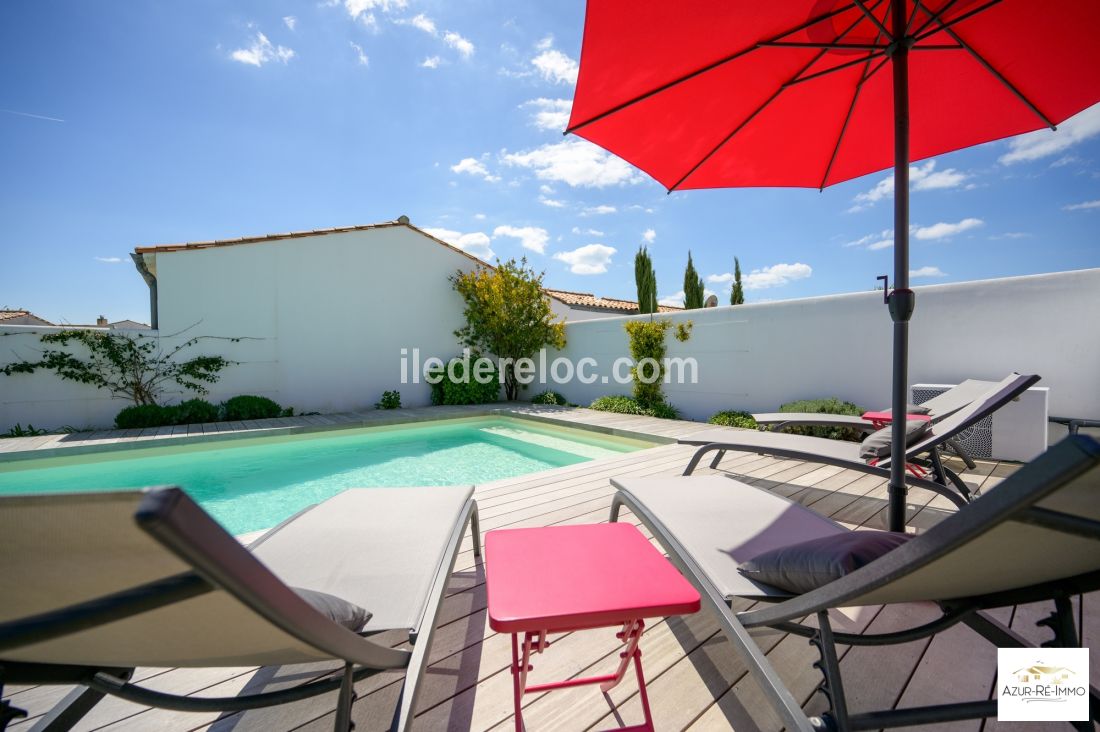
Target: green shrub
462 390
194 411
628 405
733 418
246 406
20 431
825 406
390 400
140 416
549 397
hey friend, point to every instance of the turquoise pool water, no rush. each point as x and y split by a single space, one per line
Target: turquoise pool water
252 484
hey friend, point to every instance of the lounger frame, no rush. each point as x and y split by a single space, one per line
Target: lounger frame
229 567
784 614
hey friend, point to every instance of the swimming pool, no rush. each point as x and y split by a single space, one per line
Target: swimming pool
254 483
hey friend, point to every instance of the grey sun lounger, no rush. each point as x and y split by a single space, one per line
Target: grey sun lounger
847 454
712 525
96 584
939 407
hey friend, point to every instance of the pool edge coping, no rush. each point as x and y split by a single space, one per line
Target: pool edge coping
350 420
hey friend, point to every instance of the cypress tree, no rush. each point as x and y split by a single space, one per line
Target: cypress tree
737 295
693 287
646 281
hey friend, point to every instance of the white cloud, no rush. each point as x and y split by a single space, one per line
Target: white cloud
600 210
776 275
110 260
1011 235
479 216
649 235
290 22
363 59
551 202
531 237
921 178
473 166
261 51
926 272
423 22
675 300
587 260
1084 206
874 242
944 229
720 279
556 67
1044 143
361 9
589 232
578 163
431 62
550 114
458 43
475 243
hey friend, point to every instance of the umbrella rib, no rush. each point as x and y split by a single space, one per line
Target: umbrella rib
705 69
945 24
849 46
934 16
873 18
761 108
832 69
847 119
996 74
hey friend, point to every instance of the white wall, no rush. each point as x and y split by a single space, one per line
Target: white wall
331 314
756 357
322 321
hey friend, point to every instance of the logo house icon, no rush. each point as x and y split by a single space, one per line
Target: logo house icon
1052 675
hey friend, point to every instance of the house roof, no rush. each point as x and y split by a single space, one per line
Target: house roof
13 314
400 221
588 300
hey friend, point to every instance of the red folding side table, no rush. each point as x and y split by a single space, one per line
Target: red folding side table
566 578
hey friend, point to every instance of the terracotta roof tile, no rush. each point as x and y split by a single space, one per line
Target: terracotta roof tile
588 300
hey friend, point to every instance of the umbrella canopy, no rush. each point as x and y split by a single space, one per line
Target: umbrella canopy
720 93
808 93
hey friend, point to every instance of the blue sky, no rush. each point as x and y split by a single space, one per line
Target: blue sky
128 124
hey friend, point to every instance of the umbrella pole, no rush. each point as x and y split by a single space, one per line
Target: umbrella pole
901 299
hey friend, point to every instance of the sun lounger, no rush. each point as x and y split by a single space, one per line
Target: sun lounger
936 408
96 584
712 526
848 454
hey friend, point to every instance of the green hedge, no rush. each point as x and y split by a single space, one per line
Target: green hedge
247 406
461 390
549 397
629 405
198 411
825 406
733 418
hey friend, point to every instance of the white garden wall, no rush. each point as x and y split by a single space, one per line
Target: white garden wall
322 321
756 357
330 315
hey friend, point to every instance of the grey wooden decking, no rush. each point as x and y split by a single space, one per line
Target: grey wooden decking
695 681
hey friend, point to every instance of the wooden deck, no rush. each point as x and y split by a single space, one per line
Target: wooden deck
695 680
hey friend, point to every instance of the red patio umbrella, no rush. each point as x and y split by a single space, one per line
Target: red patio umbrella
808 93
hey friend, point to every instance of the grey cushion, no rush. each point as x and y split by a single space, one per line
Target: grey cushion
336 609
877 444
811 564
